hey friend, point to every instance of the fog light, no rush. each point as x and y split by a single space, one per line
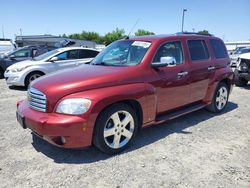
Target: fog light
63 140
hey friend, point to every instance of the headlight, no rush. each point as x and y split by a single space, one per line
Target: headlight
73 106
19 69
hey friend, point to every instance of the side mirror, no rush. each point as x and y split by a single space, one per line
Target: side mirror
12 57
165 61
54 59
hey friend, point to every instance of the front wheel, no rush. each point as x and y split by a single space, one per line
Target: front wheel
31 77
220 98
115 128
239 81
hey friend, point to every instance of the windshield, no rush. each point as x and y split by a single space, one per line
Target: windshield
45 55
242 50
122 53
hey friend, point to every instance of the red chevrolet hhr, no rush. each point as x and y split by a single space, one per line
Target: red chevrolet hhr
132 83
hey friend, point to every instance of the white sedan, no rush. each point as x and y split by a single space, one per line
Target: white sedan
24 72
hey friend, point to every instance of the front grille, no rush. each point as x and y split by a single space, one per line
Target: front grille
37 100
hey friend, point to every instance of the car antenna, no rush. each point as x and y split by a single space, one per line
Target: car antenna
127 37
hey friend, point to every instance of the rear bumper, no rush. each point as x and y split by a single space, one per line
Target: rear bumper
75 130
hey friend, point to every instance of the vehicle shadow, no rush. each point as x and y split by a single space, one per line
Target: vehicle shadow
145 137
18 88
247 87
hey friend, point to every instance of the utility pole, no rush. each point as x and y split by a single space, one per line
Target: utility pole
183 15
21 33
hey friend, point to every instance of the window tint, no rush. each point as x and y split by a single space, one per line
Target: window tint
218 48
87 54
22 53
37 52
72 54
198 50
171 49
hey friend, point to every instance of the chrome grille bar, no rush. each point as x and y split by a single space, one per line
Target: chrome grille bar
37 100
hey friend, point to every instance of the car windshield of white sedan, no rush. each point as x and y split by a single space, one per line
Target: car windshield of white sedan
45 55
122 53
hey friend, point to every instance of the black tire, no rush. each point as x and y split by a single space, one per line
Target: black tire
239 81
214 106
29 79
105 122
1 73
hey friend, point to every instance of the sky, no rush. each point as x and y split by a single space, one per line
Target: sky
227 19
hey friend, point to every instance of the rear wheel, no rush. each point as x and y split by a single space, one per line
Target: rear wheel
220 98
115 128
239 81
31 77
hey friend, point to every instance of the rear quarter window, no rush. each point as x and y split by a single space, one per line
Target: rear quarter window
198 50
87 54
219 49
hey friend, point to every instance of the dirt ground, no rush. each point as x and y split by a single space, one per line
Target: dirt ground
197 150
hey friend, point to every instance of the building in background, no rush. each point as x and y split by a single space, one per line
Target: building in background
50 40
231 46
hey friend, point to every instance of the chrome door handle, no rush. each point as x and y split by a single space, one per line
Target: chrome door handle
210 68
181 74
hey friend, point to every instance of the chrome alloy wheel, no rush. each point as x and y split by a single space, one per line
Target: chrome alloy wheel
119 129
221 98
33 77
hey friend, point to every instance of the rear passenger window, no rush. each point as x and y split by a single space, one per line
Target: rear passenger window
198 50
87 54
219 48
170 49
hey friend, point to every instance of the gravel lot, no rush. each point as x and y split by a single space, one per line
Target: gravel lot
197 150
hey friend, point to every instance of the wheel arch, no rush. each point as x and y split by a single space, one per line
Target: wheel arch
134 104
30 73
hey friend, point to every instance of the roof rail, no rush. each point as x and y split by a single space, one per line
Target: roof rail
193 33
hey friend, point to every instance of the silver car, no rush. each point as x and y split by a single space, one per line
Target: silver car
24 72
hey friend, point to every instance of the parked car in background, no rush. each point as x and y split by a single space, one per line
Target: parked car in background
6 45
21 54
234 57
22 73
131 84
242 71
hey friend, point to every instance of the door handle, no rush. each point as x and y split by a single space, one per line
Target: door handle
210 68
182 74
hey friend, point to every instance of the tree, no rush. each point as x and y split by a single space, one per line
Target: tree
87 35
114 35
204 32
141 32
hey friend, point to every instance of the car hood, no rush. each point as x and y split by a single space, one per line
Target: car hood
85 77
24 64
245 56
234 56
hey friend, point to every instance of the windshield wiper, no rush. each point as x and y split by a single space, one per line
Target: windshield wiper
102 63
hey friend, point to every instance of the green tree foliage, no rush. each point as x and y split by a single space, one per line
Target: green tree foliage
114 35
107 38
87 35
142 32
204 32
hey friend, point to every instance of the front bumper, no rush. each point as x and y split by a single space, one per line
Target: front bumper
75 130
15 79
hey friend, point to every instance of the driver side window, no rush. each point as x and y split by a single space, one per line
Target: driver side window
170 49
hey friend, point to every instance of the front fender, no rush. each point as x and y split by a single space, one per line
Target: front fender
104 97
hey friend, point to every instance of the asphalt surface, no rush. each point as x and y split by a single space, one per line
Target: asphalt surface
197 150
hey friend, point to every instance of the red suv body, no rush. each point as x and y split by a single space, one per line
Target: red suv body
131 84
